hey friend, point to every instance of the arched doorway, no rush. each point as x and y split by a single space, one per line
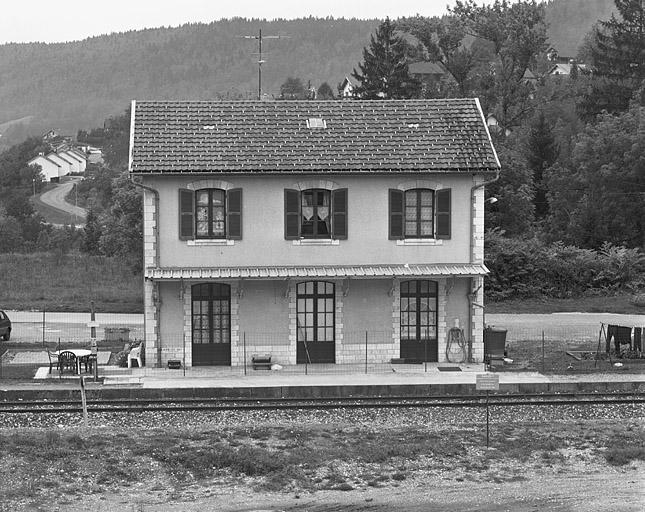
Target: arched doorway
211 324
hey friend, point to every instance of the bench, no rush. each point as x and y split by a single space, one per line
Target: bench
261 362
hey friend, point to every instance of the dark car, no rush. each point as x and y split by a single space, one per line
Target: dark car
5 326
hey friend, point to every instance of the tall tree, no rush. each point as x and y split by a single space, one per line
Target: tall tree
617 51
541 152
518 34
443 40
325 92
599 196
293 89
384 71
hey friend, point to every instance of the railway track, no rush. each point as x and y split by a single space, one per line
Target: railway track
233 404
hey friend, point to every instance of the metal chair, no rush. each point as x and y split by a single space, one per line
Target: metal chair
53 359
66 361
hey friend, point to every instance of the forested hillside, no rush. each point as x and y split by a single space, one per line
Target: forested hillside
77 85
570 20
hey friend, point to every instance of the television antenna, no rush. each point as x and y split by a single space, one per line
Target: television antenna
259 38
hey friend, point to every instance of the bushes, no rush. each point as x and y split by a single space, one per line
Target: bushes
523 268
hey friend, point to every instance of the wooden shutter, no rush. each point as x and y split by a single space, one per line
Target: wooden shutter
339 212
291 214
186 214
395 211
234 214
443 213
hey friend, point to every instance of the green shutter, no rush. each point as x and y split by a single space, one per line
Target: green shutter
186 214
291 214
395 212
234 214
443 213
339 212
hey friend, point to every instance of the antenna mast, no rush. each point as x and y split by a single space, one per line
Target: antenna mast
259 37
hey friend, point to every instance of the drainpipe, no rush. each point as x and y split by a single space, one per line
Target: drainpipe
155 295
472 291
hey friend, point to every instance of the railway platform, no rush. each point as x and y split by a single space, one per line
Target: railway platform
325 381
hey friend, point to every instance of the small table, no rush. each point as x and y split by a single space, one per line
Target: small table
80 353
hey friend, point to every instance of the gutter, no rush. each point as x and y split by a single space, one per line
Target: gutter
472 291
155 296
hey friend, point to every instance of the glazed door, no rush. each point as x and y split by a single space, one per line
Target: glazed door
211 312
315 323
419 321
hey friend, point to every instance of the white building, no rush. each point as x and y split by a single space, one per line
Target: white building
50 170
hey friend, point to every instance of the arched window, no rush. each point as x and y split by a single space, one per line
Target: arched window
419 213
316 213
210 213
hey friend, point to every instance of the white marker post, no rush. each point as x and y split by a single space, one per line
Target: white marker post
93 324
487 382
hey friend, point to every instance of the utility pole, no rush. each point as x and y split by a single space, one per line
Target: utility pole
259 38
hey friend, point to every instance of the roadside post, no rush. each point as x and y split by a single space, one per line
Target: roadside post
93 324
487 382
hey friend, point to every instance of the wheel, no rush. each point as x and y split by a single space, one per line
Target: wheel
7 335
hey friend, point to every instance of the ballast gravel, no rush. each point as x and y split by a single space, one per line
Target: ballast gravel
427 417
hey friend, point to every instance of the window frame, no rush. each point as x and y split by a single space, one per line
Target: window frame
315 194
211 221
417 294
216 292
441 214
315 296
418 192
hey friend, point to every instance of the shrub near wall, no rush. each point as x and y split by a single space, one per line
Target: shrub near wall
525 268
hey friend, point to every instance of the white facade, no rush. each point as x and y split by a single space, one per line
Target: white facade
65 165
49 169
77 162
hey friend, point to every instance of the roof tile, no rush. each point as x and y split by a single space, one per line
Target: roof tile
447 135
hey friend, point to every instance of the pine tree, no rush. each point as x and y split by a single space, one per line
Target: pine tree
91 233
620 42
618 57
541 152
384 71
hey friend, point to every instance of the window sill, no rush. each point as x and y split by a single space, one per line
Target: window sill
316 241
200 243
419 241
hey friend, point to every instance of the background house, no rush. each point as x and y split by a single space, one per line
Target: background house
304 229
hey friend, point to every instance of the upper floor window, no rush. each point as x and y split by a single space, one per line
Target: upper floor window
419 213
210 213
315 213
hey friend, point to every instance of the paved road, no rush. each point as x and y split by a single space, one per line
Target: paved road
56 199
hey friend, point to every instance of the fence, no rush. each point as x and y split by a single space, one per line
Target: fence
33 333
552 349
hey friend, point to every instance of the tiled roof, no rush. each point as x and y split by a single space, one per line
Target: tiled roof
426 68
444 135
342 271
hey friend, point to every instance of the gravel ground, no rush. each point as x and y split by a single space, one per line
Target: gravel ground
387 418
571 476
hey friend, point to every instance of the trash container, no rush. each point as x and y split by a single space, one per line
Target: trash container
494 343
117 334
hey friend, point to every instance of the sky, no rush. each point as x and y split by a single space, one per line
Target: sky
48 21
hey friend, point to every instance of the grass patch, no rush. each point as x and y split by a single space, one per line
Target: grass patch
44 281
35 464
626 304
